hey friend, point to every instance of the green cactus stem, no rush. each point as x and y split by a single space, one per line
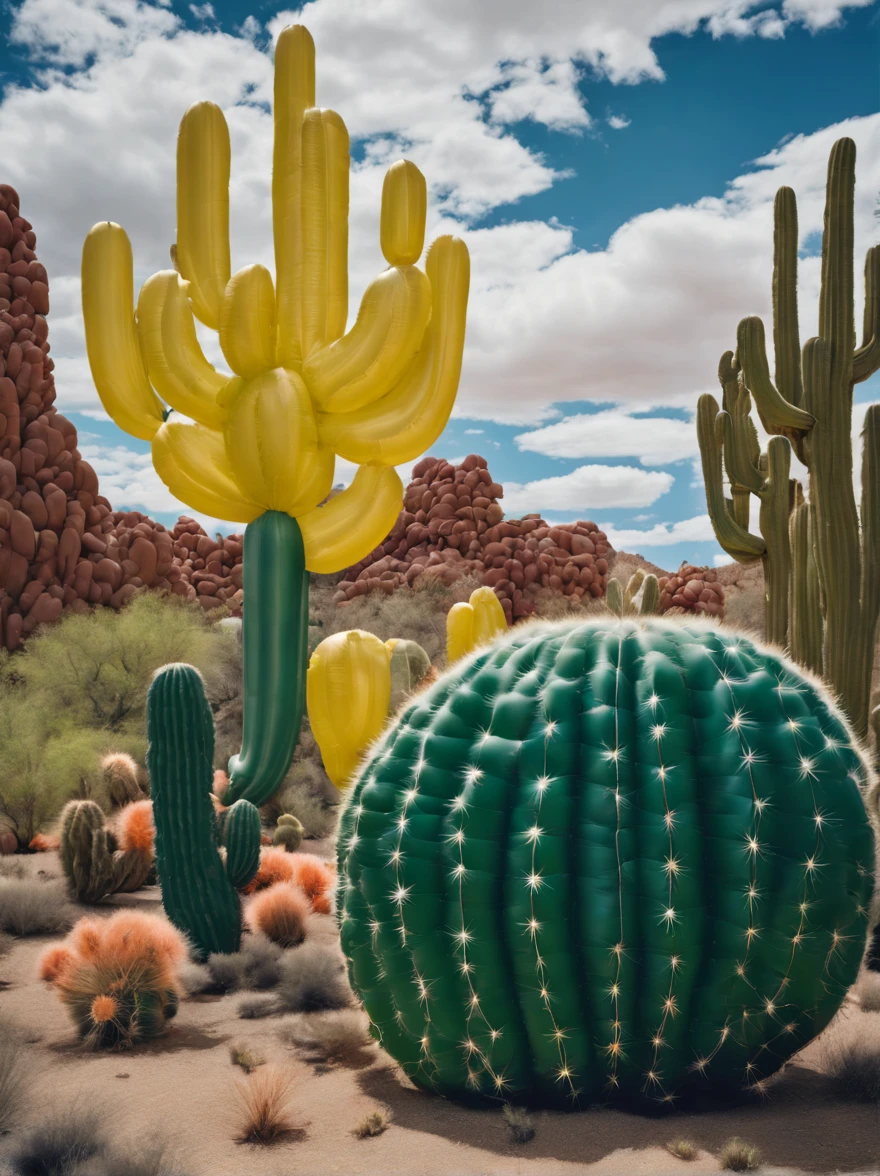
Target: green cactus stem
409 665
275 649
622 601
650 596
614 596
810 406
605 859
198 887
92 865
805 607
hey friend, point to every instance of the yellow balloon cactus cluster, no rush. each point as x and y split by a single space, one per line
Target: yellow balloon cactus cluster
301 390
473 623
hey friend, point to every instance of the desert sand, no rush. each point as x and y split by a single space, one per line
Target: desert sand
182 1088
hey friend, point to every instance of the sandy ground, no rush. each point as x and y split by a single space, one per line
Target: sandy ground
182 1088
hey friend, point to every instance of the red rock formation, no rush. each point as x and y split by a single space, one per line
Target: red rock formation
452 525
693 589
62 546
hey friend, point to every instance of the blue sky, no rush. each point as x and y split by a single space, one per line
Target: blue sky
611 263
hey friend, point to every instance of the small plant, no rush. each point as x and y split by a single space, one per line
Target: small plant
95 861
682 1149
520 1123
118 977
13 1082
60 1144
854 1067
738 1156
340 1036
29 907
373 1124
257 965
312 980
279 913
241 1056
289 833
264 1100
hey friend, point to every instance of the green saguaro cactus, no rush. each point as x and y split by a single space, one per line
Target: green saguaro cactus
198 886
607 858
810 407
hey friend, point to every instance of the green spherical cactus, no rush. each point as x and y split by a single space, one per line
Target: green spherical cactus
607 859
289 833
198 888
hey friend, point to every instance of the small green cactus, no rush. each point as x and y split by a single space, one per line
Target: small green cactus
198 886
623 602
92 864
289 833
120 780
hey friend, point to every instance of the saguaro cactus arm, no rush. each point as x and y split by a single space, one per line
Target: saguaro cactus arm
265 438
736 540
866 360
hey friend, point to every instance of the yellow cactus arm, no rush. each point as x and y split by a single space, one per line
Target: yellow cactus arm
273 446
489 618
176 363
111 334
402 425
191 461
348 693
324 213
202 254
360 368
294 94
247 321
459 631
350 525
404 208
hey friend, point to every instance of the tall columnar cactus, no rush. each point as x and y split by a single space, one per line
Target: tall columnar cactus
608 858
260 444
810 407
92 863
198 886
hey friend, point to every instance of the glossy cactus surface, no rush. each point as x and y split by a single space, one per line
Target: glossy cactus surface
603 859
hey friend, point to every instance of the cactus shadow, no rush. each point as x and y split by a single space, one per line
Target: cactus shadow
800 1124
178 1038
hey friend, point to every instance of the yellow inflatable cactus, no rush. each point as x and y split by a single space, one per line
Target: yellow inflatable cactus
258 445
474 622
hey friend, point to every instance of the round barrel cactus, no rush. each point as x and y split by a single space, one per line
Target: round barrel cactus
612 858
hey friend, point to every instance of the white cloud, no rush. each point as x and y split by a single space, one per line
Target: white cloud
721 559
70 32
587 488
614 433
203 12
473 432
695 530
619 122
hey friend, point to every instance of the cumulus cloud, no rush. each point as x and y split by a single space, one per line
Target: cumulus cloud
589 487
618 122
614 433
695 530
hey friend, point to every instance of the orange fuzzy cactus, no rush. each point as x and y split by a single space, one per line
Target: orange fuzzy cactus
118 976
136 831
275 866
315 878
280 913
44 842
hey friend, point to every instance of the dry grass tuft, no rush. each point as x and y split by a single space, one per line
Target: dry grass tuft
312 980
867 990
264 1100
13 1079
30 907
341 1037
373 1124
241 1056
738 1156
256 966
683 1149
519 1122
60 1144
279 913
854 1067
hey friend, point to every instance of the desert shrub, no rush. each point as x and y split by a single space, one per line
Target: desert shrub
341 1036
280 913
738 1156
312 980
256 966
31 907
682 1149
13 1078
519 1123
61 1144
417 614
118 976
854 1067
245 1058
373 1124
264 1099
78 691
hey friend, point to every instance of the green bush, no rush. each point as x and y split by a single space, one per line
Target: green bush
78 690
